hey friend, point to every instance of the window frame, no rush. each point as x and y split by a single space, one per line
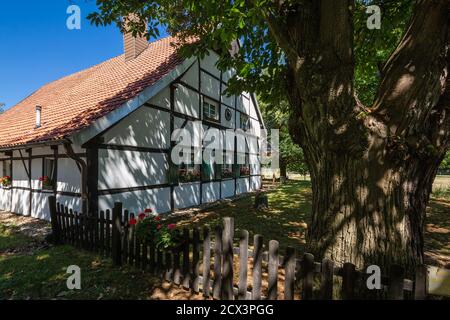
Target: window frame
229 167
246 165
210 103
6 167
244 125
191 167
7 170
51 176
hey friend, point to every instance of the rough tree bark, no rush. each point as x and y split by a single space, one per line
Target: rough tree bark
372 167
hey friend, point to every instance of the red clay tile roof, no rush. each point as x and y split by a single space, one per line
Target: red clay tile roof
76 101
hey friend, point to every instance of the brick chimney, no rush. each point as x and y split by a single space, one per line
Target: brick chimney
133 46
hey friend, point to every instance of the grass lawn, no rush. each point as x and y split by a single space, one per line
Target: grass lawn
284 221
40 273
289 211
31 269
441 187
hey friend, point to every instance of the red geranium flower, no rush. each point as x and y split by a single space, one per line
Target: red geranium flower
157 218
159 226
132 221
148 210
141 216
171 226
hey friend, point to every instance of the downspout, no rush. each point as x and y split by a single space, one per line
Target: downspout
83 169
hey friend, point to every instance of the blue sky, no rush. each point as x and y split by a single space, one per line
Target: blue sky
36 47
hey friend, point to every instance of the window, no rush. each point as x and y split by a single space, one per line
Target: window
244 122
208 170
189 172
211 171
48 174
227 167
6 174
210 110
244 165
6 168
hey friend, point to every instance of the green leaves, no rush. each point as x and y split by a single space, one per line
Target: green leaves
445 164
373 47
260 64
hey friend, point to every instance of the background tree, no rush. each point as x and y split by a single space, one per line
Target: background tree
276 116
445 164
1 107
370 109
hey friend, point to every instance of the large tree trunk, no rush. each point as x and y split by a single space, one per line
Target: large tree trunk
370 210
371 168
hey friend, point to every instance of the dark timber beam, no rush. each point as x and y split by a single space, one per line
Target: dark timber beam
92 179
84 174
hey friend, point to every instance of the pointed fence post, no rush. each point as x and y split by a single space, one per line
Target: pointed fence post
227 253
54 220
395 288
289 266
116 234
217 282
420 283
273 270
257 266
348 281
307 270
326 286
243 265
206 262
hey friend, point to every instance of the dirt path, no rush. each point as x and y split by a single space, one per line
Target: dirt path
28 226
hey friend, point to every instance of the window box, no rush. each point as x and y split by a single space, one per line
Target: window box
188 175
227 173
244 171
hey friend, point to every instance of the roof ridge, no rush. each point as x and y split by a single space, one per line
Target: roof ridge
81 71
74 101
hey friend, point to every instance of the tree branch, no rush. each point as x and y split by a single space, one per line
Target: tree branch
412 80
280 32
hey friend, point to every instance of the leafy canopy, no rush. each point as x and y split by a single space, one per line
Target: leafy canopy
445 164
276 117
260 64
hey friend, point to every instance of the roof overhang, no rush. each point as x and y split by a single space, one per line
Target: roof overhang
83 136
35 145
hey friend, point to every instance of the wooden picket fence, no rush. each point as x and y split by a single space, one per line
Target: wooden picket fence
109 234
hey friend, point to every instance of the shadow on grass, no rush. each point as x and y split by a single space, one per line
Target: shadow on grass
285 220
437 233
42 275
289 212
